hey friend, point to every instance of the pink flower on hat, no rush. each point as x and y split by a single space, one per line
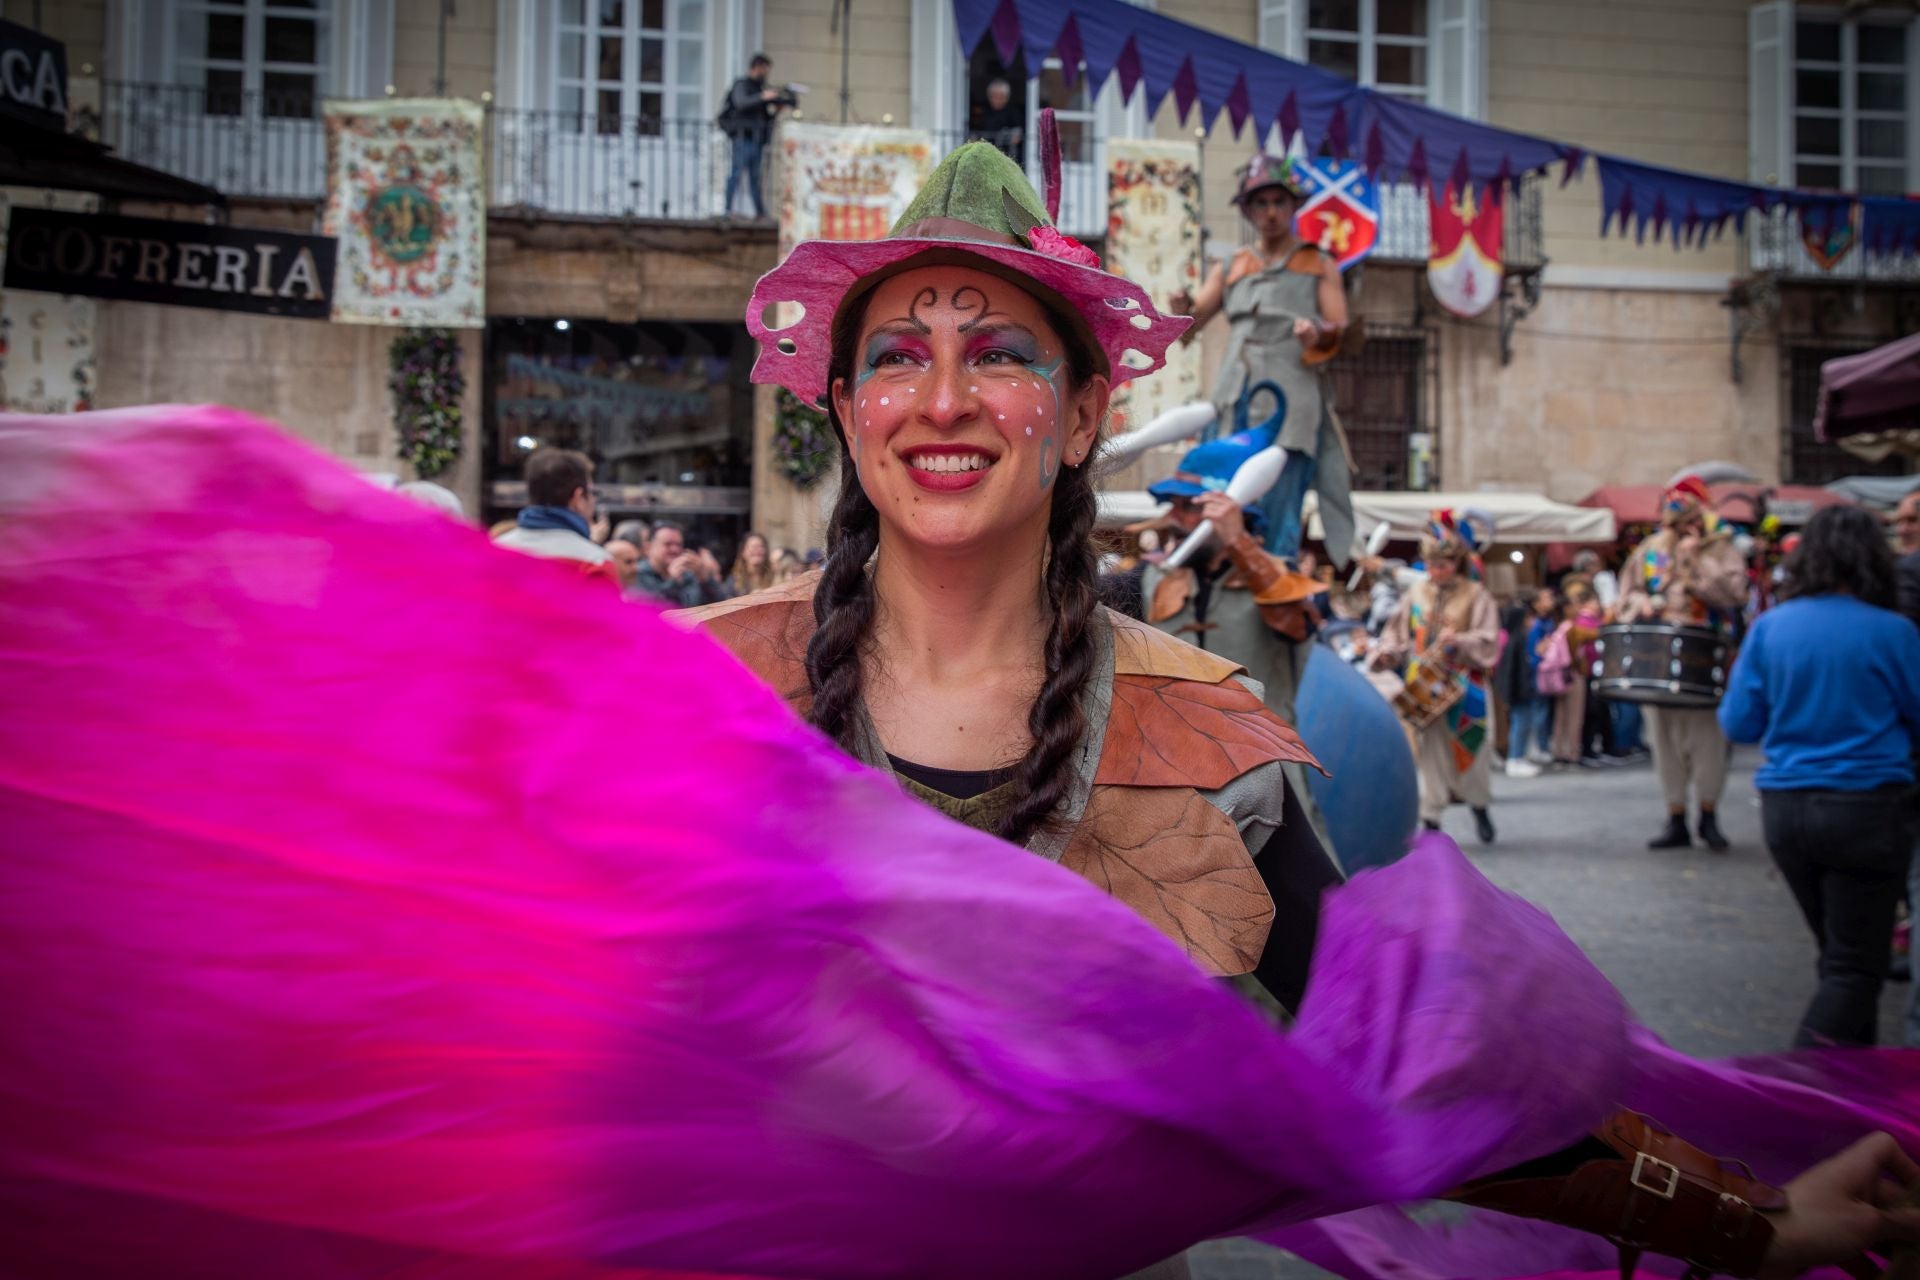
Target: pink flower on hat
1055 244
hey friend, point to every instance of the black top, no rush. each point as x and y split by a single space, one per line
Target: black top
1295 869
961 784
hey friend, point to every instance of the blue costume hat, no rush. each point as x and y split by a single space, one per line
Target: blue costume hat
1209 467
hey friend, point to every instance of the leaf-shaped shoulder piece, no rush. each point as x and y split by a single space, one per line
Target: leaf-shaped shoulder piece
1180 719
768 631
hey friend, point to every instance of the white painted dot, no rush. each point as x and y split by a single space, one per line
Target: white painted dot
911 390
1029 430
883 400
1001 416
974 390
1036 411
863 402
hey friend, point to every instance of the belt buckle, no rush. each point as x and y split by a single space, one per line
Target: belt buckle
1644 1164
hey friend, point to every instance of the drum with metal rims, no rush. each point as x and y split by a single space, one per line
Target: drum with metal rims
1431 690
1662 664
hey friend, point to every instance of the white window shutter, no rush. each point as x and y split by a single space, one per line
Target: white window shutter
1770 93
362 48
939 69
1457 67
1283 28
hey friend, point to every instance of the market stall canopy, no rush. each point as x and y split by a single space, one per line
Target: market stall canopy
1715 472
35 157
1517 517
1792 503
1880 493
1870 403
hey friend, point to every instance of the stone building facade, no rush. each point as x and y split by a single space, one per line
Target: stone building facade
1609 362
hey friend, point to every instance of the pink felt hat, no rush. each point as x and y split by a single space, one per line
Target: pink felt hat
977 209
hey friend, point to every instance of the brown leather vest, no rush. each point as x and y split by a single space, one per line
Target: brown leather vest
1180 725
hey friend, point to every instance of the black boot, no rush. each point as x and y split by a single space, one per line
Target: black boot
1710 832
1675 836
1483 825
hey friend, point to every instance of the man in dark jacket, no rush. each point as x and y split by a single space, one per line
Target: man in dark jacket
748 120
1001 122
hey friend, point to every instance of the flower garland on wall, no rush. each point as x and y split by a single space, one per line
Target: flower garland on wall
803 443
427 385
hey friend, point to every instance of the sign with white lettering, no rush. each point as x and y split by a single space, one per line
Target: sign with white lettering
33 76
182 264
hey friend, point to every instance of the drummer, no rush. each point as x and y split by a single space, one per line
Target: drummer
1450 618
1687 573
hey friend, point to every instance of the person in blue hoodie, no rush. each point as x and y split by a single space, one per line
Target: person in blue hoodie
1828 684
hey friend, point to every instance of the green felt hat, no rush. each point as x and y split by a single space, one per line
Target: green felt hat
976 188
977 209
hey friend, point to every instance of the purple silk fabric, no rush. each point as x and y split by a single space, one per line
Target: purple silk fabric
378 902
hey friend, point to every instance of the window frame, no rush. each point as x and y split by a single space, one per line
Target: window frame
1454 49
631 89
252 64
1368 38
1849 114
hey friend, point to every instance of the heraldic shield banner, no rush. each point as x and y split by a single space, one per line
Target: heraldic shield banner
406 198
847 182
1463 256
1153 239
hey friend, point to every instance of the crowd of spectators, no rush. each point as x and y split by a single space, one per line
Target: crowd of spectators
649 560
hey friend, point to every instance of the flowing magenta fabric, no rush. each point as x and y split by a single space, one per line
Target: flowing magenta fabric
377 902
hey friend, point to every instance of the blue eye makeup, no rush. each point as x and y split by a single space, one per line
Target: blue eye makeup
1003 346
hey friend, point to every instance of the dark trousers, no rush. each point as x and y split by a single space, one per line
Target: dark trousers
1596 734
747 151
1844 855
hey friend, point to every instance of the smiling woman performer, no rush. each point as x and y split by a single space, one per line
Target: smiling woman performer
954 637
954 640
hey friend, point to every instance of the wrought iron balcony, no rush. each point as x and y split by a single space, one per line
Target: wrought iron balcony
1774 247
243 143
574 164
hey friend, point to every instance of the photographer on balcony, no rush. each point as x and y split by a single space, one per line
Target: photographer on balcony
1001 121
747 118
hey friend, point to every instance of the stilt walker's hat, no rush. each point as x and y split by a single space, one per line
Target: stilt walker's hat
1265 172
977 210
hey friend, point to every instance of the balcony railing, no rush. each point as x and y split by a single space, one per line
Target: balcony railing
1774 245
243 143
597 166
555 162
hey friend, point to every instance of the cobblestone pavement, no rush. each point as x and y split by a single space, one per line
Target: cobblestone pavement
1710 950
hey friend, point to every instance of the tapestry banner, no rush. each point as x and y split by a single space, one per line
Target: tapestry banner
1153 239
406 196
847 182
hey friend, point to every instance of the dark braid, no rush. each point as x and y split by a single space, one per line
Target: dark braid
843 602
1056 720
843 609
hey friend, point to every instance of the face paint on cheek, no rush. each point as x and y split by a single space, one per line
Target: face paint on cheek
1050 444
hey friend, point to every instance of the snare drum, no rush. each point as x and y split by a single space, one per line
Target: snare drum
1431 690
1662 664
